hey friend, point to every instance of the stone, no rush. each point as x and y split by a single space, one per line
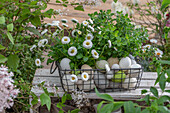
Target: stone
131 57
133 62
109 75
101 64
134 73
90 73
131 82
112 61
86 85
100 80
114 84
68 85
125 62
119 77
64 63
115 66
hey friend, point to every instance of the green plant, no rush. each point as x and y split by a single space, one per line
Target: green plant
154 102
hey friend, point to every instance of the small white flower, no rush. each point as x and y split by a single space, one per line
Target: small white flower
38 62
43 32
74 20
115 48
144 50
55 23
110 43
165 15
131 12
91 21
34 46
136 2
95 54
84 76
85 23
64 20
59 27
154 9
65 40
159 53
65 25
92 29
153 41
55 33
42 42
89 37
137 26
73 78
116 6
133 23
74 33
45 41
98 27
125 10
72 51
79 32
147 46
100 32
87 44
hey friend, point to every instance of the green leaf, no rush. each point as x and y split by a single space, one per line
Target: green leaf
163 109
80 8
3 59
63 99
164 62
145 111
104 96
79 56
45 100
104 1
107 108
85 59
10 37
165 4
162 82
13 61
154 91
1 47
146 99
10 27
117 105
129 107
34 101
75 111
163 99
115 1
144 91
35 20
2 20
33 30
57 1
167 91
99 106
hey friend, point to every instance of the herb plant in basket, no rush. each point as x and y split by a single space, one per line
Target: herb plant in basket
89 55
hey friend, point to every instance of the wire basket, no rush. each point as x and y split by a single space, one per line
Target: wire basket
115 80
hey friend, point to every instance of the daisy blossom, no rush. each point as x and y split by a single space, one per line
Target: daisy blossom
74 20
72 51
91 21
87 44
100 32
34 46
65 40
110 43
137 26
74 33
85 23
84 76
73 78
95 54
43 32
153 41
89 37
147 46
159 53
92 29
38 62
79 32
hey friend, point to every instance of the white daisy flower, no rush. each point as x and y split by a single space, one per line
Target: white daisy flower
43 32
55 23
79 32
92 29
89 37
72 51
34 46
64 20
153 41
154 9
116 6
137 26
147 46
38 62
45 41
59 27
144 50
110 43
65 40
165 15
85 23
74 20
135 2
42 42
125 10
133 23
84 76
73 78
91 21
65 25
115 48
95 54
100 32
159 53
87 44
74 33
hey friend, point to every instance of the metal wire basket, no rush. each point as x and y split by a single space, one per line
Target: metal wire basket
115 80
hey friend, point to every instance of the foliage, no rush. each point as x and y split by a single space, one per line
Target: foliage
107 40
154 102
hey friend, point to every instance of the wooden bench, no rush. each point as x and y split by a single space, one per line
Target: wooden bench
148 80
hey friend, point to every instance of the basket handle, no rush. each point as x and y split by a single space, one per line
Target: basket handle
51 69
